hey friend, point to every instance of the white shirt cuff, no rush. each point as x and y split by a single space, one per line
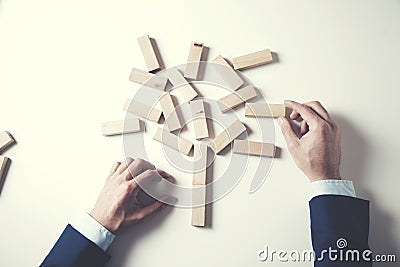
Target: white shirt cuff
93 230
333 187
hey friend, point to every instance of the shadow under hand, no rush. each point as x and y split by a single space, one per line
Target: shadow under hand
357 154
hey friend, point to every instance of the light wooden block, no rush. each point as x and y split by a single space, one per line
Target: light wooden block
236 98
263 110
252 60
253 148
227 136
199 119
150 53
200 164
169 111
148 79
173 141
5 140
4 164
121 127
181 85
142 110
199 194
194 58
227 73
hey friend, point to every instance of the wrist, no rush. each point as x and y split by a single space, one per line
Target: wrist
109 224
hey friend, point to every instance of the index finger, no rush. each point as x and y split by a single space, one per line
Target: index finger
305 112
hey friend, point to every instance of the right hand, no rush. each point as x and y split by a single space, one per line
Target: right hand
316 148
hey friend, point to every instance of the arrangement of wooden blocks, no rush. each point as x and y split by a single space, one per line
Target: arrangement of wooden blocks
6 140
240 94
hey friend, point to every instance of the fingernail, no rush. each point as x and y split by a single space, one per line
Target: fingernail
280 121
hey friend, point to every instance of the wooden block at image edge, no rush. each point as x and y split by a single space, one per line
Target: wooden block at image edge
199 119
227 136
199 212
4 165
121 127
253 148
236 98
183 88
193 62
263 110
5 140
170 112
149 51
148 79
227 73
173 141
142 110
252 60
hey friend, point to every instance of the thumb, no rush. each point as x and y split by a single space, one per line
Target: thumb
288 132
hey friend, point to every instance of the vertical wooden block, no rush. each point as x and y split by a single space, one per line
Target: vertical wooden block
199 119
5 140
184 89
4 165
150 53
252 60
264 110
173 141
236 98
148 79
227 136
199 195
193 62
228 74
253 148
142 110
170 114
121 127
200 164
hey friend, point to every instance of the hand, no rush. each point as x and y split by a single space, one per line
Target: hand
118 205
316 148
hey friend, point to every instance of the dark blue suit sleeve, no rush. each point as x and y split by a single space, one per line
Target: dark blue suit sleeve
74 250
336 217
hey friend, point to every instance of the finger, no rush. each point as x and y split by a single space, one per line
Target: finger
146 178
305 112
137 167
319 109
288 132
164 174
114 168
294 115
146 211
124 165
303 128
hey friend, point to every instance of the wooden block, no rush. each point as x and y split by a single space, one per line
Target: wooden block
148 79
200 164
184 89
169 111
264 110
252 60
5 140
199 119
236 98
142 110
4 165
253 148
199 194
194 58
120 127
227 136
228 74
150 53
173 141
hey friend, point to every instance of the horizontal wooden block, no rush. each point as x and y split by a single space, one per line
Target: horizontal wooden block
193 62
253 148
4 165
170 114
236 98
173 141
264 110
5 140
200 164
181 85
121 127
148 79
227 73
227 136
150 53
252 60
142 110
199 119
199 194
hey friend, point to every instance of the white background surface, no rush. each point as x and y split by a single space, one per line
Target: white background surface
64 68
